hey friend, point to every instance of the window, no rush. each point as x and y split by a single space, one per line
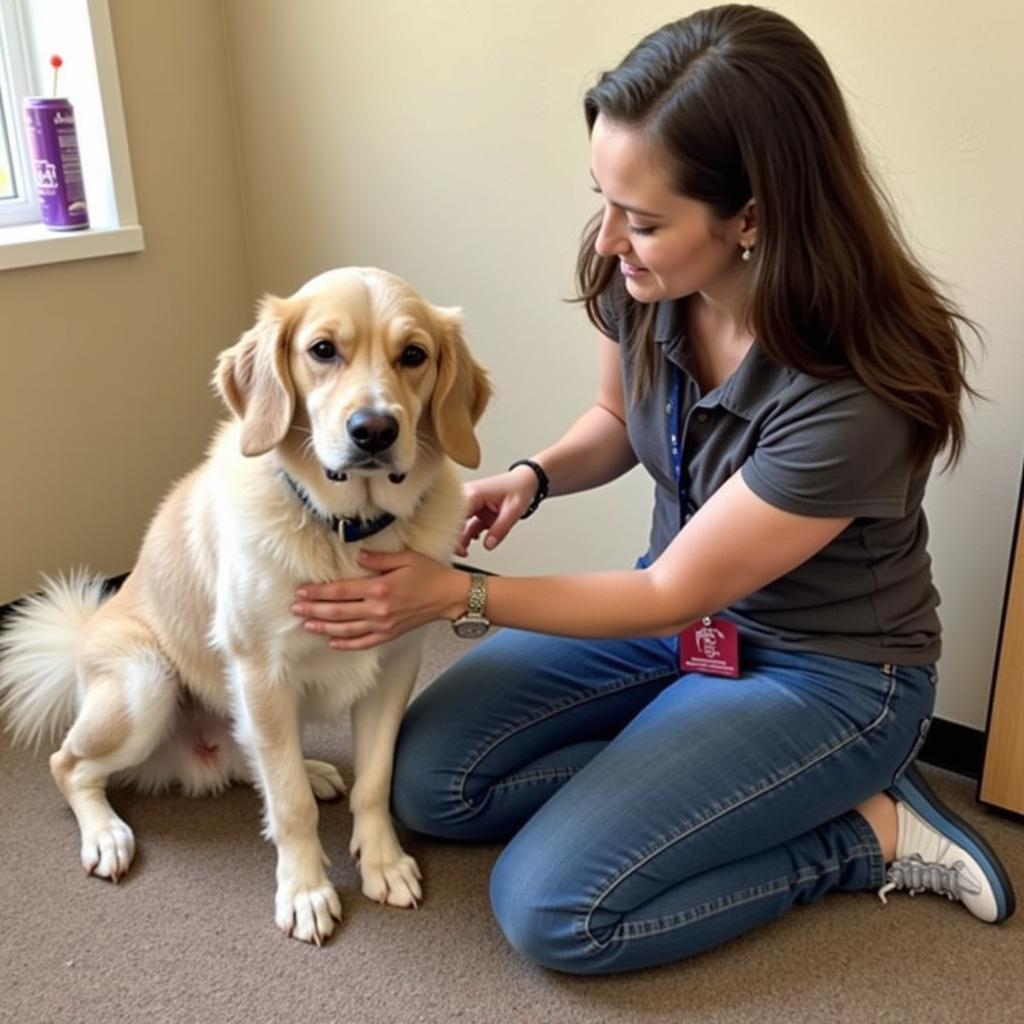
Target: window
79 30
8 188
17 204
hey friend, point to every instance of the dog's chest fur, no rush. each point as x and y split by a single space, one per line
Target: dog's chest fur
242 543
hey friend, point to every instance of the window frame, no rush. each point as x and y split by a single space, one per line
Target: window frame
15 83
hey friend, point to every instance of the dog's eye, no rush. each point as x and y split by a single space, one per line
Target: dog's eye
413 355
323 350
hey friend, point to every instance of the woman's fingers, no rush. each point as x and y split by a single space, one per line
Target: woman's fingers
326 611
470 531
336 590
341 630
363 643
354 590
507 517
407 590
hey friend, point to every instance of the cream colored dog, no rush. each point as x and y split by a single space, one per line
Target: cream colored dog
350 399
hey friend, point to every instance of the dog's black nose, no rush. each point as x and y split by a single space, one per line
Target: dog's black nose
372 431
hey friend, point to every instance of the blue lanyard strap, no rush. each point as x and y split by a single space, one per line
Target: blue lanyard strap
675 434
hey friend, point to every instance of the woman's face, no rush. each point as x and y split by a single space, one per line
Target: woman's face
667 244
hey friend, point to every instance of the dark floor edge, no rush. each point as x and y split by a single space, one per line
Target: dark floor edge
954 747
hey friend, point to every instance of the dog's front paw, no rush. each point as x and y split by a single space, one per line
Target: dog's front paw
324 780
395 882
307 912
389 874
108 848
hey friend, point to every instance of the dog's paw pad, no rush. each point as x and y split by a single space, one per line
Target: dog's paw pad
108 850
308 914
325 781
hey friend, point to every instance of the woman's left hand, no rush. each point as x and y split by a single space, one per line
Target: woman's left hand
408 590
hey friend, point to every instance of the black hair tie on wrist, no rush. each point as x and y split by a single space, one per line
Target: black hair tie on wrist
543 485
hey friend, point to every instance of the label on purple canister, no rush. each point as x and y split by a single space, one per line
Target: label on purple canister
56 164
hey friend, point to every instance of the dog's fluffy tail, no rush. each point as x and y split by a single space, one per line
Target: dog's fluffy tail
38 650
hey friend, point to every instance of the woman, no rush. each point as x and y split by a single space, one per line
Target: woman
681 752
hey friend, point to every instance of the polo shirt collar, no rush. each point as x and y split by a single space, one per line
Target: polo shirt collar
669 321
756 379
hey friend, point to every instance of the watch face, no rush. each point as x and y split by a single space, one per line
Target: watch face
471 629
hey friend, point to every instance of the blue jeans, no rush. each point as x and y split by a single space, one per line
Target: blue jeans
652 815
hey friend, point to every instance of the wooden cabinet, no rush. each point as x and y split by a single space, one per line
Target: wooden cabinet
1002 775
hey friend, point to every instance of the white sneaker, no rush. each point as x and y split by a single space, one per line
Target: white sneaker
937 851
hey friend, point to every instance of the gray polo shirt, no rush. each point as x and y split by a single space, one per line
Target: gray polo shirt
816 448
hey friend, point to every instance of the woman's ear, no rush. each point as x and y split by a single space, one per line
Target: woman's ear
253 378
748 224
460 394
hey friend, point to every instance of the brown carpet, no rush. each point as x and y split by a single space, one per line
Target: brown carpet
189 934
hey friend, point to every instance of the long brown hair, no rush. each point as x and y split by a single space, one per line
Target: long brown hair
742 104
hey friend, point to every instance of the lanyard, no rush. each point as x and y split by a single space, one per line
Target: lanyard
675 434
711 644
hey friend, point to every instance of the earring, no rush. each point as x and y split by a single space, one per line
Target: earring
747 250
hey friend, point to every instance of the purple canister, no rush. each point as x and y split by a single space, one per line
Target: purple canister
56 165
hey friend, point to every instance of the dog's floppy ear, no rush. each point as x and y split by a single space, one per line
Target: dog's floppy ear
460 394
253 378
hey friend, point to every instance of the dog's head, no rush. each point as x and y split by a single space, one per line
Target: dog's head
364 364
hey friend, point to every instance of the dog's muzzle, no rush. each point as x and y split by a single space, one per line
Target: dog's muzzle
373 433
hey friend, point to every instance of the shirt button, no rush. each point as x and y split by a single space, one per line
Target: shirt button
668 408
702 417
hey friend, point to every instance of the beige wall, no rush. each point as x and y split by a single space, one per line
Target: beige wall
106 362
444 141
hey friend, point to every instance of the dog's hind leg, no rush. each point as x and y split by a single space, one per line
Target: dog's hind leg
126 712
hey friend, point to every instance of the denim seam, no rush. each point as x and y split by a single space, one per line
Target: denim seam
660 926
513 782
618 687
791 774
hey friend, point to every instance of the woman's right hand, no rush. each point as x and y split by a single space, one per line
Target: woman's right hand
495 504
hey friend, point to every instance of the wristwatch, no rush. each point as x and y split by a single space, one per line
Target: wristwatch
472 624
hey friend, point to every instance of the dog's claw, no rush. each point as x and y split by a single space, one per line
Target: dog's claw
308 913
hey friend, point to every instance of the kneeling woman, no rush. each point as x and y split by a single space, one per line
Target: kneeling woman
680 752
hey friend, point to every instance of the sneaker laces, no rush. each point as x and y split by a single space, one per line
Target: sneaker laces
916 875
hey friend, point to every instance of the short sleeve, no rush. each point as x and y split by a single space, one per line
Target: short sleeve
836 449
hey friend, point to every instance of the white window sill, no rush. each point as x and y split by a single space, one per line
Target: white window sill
33 244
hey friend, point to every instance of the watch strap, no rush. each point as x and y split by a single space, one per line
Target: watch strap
476 603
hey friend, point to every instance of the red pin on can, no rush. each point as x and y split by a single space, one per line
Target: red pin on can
56 163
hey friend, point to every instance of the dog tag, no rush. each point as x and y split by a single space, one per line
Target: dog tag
711 646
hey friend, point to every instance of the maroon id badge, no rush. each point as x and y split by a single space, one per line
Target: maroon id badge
711 646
